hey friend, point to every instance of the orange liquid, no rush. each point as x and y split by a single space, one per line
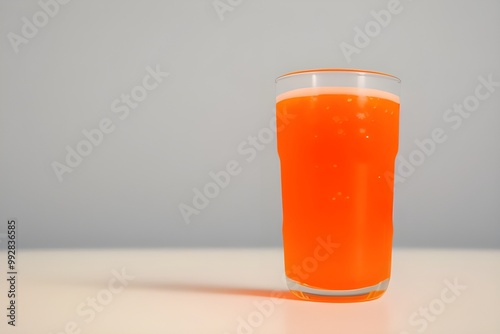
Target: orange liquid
336 146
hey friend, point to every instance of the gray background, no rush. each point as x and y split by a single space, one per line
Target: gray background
219 91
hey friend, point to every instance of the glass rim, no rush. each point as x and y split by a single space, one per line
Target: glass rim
339 70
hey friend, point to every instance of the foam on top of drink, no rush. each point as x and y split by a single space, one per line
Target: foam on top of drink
314 91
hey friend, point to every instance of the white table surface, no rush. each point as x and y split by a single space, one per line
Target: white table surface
232 291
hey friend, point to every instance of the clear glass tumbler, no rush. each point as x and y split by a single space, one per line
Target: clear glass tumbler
337 142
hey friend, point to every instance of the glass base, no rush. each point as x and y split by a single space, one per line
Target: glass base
337 296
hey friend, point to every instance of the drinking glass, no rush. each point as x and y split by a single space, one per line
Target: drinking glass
337 137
